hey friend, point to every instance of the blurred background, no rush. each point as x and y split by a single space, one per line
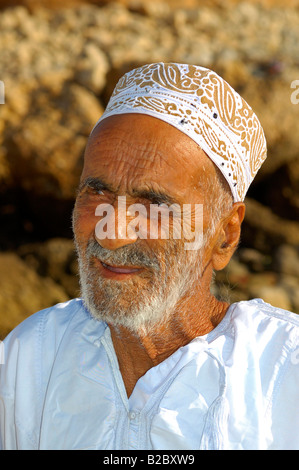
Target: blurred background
59 62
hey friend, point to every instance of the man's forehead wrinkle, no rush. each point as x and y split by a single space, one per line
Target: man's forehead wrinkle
141 155
125 176
119 135
146 152
134 159
158 145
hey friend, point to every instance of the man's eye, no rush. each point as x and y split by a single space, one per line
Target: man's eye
93 190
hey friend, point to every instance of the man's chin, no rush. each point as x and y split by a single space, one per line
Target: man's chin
135 323
136 315
138 304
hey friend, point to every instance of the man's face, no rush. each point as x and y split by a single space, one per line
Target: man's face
127 280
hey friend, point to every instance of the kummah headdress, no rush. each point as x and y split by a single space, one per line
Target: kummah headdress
201 104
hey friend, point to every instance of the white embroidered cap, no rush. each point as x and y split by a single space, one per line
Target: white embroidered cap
201 104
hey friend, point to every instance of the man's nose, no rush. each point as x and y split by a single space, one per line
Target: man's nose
113 230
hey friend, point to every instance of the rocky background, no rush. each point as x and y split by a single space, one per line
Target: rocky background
59 66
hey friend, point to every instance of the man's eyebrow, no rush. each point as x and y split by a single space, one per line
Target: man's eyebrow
95 183
155 196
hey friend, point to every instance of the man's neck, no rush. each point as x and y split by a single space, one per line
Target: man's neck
137 353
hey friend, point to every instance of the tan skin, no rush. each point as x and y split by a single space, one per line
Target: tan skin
136 153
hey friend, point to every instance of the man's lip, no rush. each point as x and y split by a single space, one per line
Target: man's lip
121 269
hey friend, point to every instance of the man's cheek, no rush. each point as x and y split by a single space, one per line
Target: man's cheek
84 220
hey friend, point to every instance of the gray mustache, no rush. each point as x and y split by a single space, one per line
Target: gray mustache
124 256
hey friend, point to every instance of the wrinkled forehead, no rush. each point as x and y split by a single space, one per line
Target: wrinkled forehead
138 149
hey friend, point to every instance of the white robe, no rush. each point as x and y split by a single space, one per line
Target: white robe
235 388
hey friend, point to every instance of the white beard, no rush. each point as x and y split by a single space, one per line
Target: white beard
141 304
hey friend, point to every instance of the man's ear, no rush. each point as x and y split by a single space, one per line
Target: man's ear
228 236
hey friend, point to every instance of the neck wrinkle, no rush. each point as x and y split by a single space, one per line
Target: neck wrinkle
138 353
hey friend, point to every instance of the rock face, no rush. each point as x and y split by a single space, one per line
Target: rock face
59 67
23 292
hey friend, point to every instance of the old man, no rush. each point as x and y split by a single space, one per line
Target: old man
148 358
